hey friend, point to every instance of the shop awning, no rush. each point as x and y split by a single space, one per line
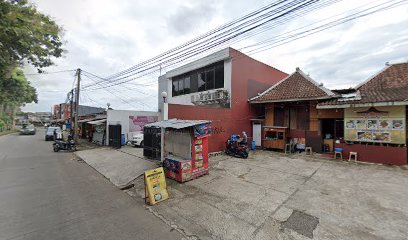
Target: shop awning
97 122
86 120
177 123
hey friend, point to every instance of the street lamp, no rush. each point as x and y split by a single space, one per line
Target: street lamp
164 95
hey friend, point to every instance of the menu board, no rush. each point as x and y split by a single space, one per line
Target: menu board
379 124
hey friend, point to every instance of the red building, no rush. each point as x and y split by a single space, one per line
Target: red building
217 88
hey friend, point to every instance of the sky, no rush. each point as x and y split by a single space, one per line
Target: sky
104 37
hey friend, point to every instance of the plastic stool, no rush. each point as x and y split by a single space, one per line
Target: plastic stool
354 155
338 154
308 150
288 148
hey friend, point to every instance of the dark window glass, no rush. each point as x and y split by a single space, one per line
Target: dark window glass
198 81
194 83
219 77
175 88
209 77
201 81
181 86
187 85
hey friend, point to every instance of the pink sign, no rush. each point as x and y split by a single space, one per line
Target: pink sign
136 123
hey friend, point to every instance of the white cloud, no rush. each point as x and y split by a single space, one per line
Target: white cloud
104 37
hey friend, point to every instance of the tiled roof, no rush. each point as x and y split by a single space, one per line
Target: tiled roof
389 85
392 77
297 86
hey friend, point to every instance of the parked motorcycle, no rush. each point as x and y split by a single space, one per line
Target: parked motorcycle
235 148
61 145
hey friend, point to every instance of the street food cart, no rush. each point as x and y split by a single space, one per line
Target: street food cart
185 147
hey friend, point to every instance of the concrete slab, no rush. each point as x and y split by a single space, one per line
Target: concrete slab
255 198
119 167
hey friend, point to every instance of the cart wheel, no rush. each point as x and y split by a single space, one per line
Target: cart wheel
141 144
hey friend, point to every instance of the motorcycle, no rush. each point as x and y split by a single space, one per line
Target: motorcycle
236 148
61 145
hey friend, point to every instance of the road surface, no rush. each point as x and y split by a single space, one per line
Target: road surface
47 195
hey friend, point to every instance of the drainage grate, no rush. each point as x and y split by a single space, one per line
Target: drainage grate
301 223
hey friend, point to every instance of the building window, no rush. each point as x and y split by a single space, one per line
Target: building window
203 79
209 79
187 88
219 77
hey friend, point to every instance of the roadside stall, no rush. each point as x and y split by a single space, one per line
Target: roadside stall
185 149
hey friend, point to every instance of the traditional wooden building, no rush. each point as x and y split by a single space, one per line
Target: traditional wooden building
375 114
291 116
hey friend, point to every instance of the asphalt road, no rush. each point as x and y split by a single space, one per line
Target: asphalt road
47 195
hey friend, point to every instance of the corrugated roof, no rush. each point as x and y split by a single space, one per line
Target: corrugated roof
176 123
97 122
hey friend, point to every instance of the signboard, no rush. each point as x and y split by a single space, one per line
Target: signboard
155 186
136 123
202 130
379 124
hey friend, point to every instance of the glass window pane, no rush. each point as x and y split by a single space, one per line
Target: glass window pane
201 82
181 86
219 77
194 83
175 88
209 80
187 85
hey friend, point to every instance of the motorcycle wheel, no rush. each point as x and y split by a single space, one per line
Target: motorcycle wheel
244 154
56 148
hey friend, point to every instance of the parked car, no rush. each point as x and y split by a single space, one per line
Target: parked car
28 130
137 140
49 134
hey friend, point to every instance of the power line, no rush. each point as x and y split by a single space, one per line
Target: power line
119 97
292 38
280 12
45 73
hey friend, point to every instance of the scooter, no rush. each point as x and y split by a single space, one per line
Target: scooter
234 148
61 145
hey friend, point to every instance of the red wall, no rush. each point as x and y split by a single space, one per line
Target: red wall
376 154
237 119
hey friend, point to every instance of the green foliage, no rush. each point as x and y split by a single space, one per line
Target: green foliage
16 90
26 34
5 120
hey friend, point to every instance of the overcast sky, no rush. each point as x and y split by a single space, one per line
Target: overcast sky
106 36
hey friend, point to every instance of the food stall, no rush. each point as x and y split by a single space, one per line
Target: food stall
274 137
185 151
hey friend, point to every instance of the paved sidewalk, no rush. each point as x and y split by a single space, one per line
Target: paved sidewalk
120 166
277 196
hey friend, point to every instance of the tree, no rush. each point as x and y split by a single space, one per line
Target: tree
26 34
16 91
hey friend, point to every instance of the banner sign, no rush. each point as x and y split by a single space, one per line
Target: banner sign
137 123
155 186
379 124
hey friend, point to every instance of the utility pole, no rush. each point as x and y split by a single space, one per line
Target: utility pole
71 109
77 105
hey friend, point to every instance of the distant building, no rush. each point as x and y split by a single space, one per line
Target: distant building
63 111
